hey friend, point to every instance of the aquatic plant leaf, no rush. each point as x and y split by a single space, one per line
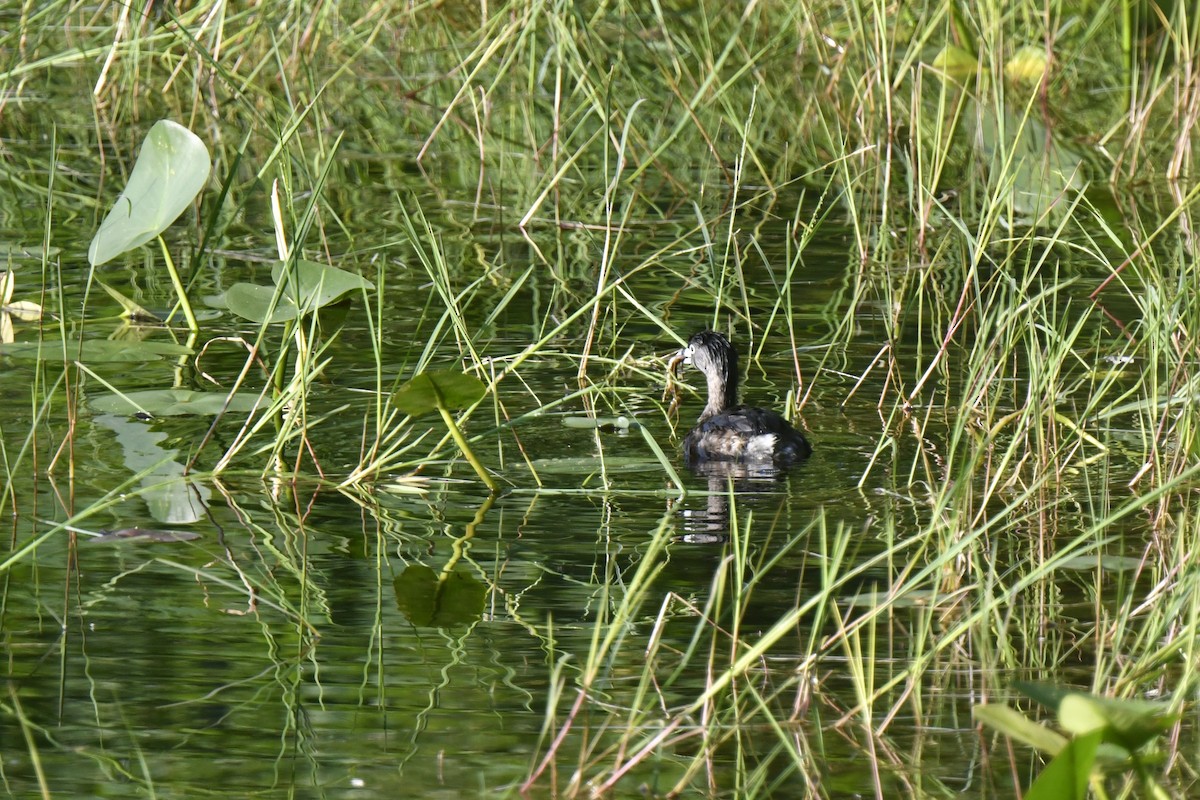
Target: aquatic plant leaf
136 534
1029 65
606 424
306 288
1127 723
23 310
955 62
11 250
1067 776
312 285
587 465
173 403
94 350
1042 172
1108 563
918 598
253 302
170 171
430 390
1012 723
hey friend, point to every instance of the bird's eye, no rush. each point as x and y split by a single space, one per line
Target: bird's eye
687 354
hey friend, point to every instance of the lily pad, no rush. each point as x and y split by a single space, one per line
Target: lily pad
444 388
171 169
173 403
144 535
12 250
308 286
605 424
1107 563
94 350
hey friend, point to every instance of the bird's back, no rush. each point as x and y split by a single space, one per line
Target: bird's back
745 434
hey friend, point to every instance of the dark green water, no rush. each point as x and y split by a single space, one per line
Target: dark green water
298 647
275 656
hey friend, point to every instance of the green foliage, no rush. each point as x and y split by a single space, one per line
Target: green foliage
1068 775
170 171
299 289
545 195
95 350
173 403
1106 733
430 391
442 391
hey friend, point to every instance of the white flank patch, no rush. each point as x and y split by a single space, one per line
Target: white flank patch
761 447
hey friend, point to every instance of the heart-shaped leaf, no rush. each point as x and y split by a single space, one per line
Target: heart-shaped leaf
94 350
171 169
173 402
312 285
430 390
306 287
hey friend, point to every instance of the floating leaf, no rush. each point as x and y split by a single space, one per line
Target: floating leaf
918 598
94 350
313 285
1043 172
171 169
606 424
9 250
144 535
587 465
253 302
21 309
1108 563
307 287
173 403
429 390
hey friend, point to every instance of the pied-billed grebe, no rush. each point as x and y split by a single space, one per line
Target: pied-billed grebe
727 431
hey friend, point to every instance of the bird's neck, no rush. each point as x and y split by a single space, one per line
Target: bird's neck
722 395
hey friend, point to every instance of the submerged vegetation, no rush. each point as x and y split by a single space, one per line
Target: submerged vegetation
956 241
